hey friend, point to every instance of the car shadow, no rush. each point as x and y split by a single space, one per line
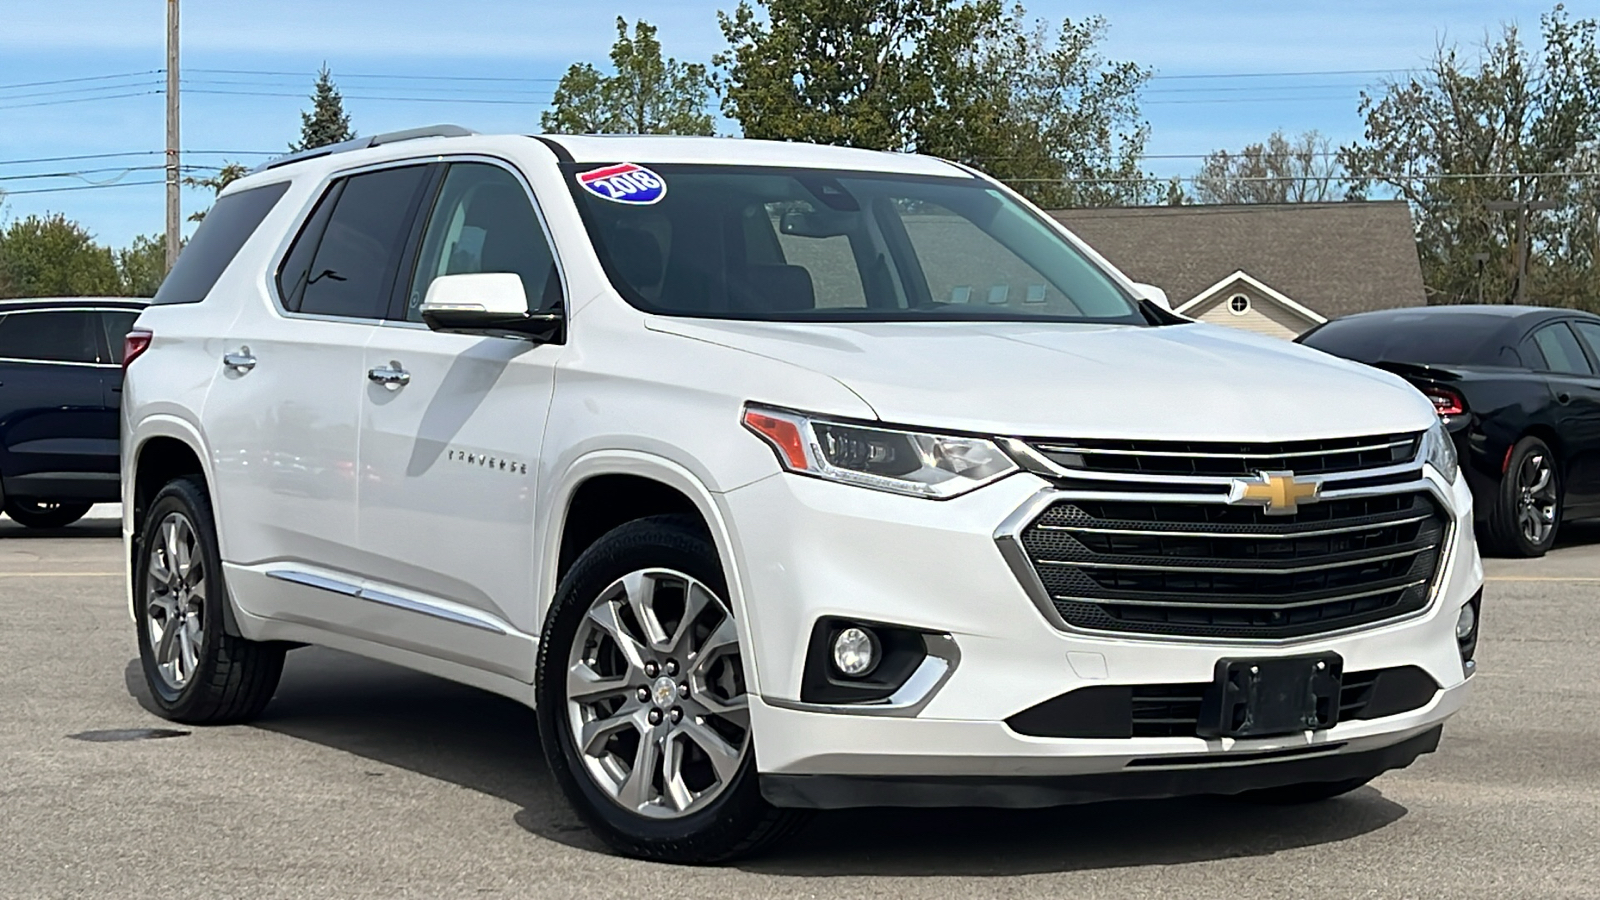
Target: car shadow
1578 533
490 744
83 528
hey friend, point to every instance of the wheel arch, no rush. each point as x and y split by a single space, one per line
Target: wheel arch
165 448
645 485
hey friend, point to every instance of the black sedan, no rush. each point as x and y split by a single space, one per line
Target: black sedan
1518 387
60 389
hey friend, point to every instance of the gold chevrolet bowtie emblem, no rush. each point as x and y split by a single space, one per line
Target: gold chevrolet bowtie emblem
1279 492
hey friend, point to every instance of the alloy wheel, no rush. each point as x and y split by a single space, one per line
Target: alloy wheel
1536 498
656 696
175 595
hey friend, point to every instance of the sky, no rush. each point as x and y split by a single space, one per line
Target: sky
1226 74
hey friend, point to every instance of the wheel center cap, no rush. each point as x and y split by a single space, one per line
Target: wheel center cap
663 691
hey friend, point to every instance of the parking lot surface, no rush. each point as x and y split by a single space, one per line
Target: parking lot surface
364 780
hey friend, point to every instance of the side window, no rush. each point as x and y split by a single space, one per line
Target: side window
218 240
116 323
1560 350
351 272
484 222
50 336
1589 332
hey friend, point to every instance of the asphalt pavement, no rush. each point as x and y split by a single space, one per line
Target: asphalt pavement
364 780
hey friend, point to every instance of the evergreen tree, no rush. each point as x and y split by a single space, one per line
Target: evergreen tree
327 122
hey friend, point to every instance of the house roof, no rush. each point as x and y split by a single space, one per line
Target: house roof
1244 278
1333 258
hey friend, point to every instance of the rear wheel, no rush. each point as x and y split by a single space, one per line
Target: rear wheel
1311 792
1527 508
45 513
641 699
197 672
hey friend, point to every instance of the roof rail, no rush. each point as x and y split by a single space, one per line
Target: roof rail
362 143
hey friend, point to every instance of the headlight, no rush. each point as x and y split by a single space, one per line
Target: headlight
1441 451
936 466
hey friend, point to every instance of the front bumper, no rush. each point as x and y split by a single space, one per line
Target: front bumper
803 549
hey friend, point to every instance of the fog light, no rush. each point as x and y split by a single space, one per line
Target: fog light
855 652
1466 622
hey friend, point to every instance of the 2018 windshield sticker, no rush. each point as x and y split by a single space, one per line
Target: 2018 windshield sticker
624 183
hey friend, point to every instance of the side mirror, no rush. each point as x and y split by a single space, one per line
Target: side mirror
491 304
1153 294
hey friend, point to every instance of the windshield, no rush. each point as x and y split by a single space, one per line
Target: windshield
813 245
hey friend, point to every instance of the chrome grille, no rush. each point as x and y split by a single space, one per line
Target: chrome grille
1186 458
1215 570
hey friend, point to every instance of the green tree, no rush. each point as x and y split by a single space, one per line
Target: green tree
1283 170
1037 106
327 122
646 94
53 256
142 265
228 174
1502 126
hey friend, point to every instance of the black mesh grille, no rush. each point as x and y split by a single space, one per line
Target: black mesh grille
1173 710
1214 570
1232 459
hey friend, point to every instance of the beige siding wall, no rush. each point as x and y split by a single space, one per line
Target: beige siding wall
1264 316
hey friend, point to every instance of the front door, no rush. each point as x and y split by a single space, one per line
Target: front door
449 458
1577 390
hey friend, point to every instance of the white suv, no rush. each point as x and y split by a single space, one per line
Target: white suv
778 477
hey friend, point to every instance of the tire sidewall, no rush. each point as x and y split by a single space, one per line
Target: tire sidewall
646 543
181 496
1510 496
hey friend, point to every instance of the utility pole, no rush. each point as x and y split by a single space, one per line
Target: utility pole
174 213
1524 245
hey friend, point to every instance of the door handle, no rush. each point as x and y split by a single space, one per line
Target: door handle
391 376
241 361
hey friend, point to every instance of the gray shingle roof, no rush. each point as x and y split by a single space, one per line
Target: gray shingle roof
1336 258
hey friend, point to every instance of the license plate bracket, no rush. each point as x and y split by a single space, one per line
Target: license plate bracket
1266 697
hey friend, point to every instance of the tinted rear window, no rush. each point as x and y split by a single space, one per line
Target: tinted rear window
225 229
50 336
1423 339
353 269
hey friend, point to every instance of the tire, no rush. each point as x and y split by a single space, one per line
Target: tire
1528 502
45 513
670 561
197 673
1294 794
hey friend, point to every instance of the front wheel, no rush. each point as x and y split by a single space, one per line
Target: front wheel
1527 506
45 513
641 699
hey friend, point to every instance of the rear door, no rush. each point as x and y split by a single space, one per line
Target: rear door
114 327
57 439
449 459
284 417
1555 349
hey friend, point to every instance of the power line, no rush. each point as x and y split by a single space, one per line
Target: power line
84 187
1280 74
89 156
388 75
28 84
121 171
371 98
79 100
81 90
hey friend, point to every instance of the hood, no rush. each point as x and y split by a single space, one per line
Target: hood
1179 382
